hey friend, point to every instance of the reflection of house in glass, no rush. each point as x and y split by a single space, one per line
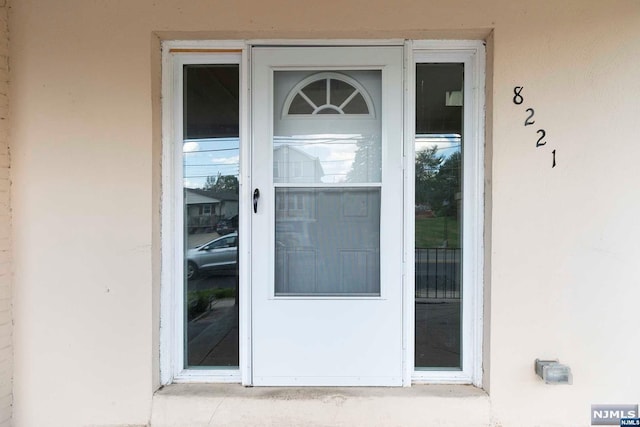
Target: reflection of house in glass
205 208
335 158
294 166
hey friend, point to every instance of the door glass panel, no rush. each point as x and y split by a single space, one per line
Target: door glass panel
327 238
357 105
331 149
327 241
438 215
210 164
317 92
340 91
299 105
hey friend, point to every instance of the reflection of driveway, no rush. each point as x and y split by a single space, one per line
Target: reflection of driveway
212 339
438 333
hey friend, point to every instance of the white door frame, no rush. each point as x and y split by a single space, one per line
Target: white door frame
373 322
472 53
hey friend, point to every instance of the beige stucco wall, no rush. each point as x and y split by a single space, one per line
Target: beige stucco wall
6 349
85 169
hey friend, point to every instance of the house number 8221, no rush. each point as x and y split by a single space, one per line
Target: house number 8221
518 99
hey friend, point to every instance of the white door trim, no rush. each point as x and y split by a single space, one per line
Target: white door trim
472 55
170 348
172 271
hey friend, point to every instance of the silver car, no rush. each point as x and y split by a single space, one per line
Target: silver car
218 254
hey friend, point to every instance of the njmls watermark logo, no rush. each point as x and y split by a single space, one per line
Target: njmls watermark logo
614 415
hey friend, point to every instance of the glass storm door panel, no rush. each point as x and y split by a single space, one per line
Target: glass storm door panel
439 146
326 228
210 153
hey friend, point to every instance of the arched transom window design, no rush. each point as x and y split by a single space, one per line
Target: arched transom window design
328 93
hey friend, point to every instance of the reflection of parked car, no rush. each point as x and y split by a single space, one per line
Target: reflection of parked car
218 254
226 226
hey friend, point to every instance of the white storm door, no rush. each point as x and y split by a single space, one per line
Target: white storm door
326 244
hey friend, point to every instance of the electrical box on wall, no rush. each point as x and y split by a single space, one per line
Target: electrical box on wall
552 372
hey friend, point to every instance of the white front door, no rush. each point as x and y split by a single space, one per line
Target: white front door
326 263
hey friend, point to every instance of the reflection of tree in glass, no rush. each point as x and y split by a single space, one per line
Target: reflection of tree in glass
366 166
427 164
438 181
222 183
448 185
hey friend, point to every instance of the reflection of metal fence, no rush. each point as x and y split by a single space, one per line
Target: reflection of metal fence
438 273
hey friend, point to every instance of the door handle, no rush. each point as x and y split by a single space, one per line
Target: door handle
256 196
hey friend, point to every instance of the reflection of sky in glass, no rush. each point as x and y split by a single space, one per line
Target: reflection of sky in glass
208 157
446 144
335 152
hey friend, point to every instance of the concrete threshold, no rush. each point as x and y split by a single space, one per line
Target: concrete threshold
200 405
